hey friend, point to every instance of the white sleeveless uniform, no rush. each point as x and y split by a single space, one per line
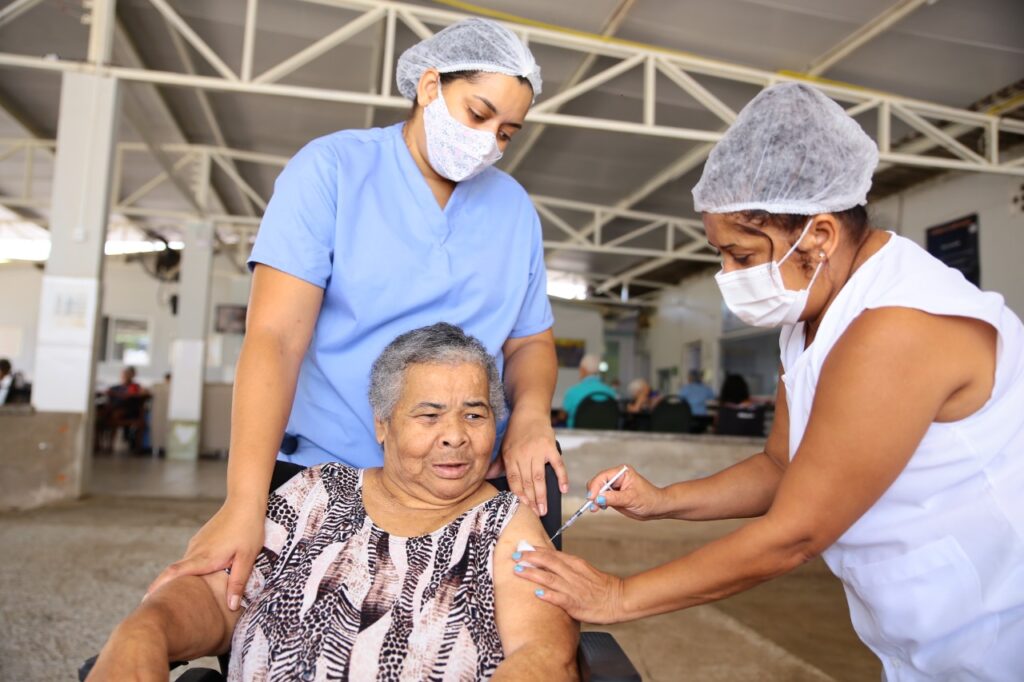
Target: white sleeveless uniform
934 570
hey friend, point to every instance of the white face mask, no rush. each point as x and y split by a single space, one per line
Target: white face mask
758 295
455 150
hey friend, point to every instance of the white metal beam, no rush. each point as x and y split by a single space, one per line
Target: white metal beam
561 224
175 20
328 42
586 122
202 156
672 172
154 182
864 34
249 38
553 103
415 25
421 16
523 146
653 264
101 31
228 166
697 91
134 111
678 67
645 224
16 9
204 98
940 137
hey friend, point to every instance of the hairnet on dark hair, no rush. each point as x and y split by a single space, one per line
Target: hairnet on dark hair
790 150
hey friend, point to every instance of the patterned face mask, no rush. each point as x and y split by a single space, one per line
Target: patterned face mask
455 150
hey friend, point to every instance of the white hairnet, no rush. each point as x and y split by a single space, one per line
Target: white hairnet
791 150
470 45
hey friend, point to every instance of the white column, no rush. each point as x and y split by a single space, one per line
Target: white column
70 300
188 352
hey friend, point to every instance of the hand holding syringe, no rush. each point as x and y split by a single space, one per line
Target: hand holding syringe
586 505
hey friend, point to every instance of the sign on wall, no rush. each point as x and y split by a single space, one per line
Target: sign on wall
956 244
230 319
569 351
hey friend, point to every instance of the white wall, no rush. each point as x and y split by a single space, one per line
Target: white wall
127 291
575 321
19 302
688 313
959 194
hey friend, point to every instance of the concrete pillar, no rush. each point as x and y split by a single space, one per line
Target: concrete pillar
188 352
70 300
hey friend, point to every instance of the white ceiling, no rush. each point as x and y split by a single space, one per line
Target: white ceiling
952 52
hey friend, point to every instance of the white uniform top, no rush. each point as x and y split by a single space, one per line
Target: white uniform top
934 570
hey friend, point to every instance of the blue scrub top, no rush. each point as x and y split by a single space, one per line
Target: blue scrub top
352 213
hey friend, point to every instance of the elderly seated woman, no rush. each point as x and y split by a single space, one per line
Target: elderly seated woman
641 397
402 572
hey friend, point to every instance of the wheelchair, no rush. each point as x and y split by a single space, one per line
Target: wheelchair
599 656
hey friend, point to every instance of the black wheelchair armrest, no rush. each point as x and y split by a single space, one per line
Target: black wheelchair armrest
601 659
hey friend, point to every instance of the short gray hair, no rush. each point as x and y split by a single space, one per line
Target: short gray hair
591 363
635 385
441 343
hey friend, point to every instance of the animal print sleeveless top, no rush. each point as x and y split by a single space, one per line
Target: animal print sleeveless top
334 597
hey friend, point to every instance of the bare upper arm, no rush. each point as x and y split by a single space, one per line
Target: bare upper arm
880 389
283 306
522 617
510 346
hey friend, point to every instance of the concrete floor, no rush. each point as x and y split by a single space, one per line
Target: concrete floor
69 572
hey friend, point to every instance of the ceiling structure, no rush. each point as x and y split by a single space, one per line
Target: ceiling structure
219 94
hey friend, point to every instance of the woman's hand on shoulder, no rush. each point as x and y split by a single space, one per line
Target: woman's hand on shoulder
232 538
528 445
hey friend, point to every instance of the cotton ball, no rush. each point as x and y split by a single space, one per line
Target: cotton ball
525 546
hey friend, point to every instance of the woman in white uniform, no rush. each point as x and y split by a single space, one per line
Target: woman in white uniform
897 450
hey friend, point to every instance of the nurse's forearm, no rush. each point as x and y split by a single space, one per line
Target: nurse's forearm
743 490
531 370
264 389
759 551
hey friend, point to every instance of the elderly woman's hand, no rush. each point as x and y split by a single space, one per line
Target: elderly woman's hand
528 445
582 591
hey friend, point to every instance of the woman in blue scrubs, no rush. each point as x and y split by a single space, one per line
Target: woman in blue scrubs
371 233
